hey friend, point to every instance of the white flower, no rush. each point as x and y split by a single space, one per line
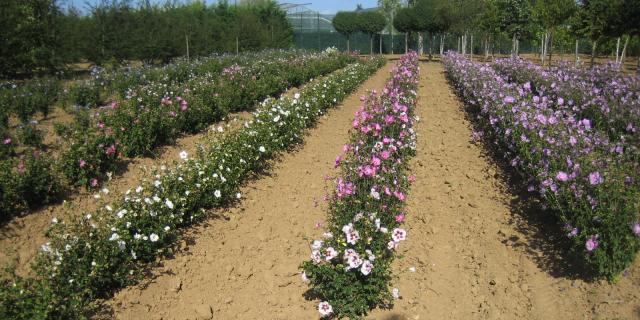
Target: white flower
184 155
114 236
304 277
168 203
217 193
353 259
399 235
153 237
139 189
54 220
238 195
375 194
137 236
133 255
392 245
96 196
330 253
220 129
366 268
121 213
262 149
412 269
328 235
316 257
351 233
108 207
156 199
122 245
325 308
296 95
317 244
46 247
105 190
276 119
167 228
157 183
395 293
384 230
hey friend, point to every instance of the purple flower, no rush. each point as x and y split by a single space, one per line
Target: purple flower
7 141
595 178
509 99
562 176
573 233
592 243
82 163
94 182
636 228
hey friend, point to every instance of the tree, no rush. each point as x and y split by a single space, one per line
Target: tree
551 14
402 22
514 17
371 23
345 22
390 7
591 20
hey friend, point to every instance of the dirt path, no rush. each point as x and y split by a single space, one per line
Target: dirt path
476 254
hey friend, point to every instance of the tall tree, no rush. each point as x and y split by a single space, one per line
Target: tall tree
551 14
390 7
514 17
345 22
371 23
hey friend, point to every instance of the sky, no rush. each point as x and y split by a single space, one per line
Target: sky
324 6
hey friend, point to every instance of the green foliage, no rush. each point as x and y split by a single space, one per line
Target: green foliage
27 182
371 22
85 94
514 17
31 135
345 22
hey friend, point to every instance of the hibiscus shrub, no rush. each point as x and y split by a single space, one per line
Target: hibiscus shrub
590 181
350 269
108 249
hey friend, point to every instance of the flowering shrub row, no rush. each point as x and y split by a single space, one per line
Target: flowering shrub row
108 249
350 267
586 178
603 94
151 116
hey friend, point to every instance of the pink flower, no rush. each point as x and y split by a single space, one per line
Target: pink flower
83 163
399 195
400 218
562 176
412 178
94 182
101 125
636 229
385 155
366 267
7 141
337 162
111 150
330 253
21 168
376 161
592 243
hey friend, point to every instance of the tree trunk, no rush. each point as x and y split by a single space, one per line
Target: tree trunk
441 45
542 42
549 47
431 47
513 47
624 51
459 42
380 43
371 45
348 44
406 42
593 52
577 57
420 44
471 48
618 50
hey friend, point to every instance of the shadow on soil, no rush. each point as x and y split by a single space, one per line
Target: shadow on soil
544 238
